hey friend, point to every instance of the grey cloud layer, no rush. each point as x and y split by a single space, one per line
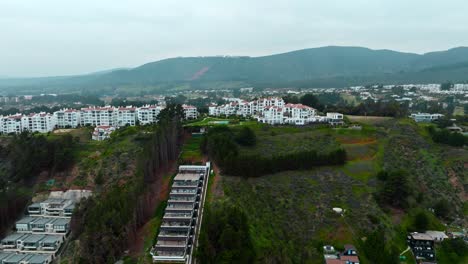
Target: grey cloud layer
60 37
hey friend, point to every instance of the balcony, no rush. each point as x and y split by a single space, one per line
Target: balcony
184 216
185 184
173 235
175 199
171 243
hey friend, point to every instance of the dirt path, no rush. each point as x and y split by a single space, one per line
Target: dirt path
216 188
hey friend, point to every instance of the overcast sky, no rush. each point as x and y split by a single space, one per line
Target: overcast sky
62 37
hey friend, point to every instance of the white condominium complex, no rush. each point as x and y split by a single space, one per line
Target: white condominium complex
273 111
99 116
107 116
41 122
190 111
68 118
11 124
148 114
126 116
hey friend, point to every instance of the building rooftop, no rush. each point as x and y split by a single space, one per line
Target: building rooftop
62 221
43 220
4 256
33 238
55 200
15 258
421 236
37 258
26 220
436 234
187 177
51 239
14 237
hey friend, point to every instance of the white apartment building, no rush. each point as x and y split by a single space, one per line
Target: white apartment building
126 116
299 114
99 116
11 124
272 115
274 111
232 108
190 111
148 114
243 108
68 118
41 122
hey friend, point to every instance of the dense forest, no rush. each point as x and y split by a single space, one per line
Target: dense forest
221 143
106 223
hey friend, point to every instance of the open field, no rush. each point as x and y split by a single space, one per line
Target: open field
290 212
276 144
368 119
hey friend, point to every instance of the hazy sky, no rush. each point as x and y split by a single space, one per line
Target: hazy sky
59 37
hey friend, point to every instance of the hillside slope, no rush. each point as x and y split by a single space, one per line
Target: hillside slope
326 66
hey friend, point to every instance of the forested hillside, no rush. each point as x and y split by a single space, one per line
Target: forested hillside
22 158
317 67
106 225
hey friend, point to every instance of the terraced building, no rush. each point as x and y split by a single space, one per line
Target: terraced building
182 218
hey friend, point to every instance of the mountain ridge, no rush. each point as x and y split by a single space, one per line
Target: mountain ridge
331 63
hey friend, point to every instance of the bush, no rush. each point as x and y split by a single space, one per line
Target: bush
442 208
453 251
421 222
394 189
246 137
225 236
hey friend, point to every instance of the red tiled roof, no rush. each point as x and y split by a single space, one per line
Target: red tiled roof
125 108
334 261
349 258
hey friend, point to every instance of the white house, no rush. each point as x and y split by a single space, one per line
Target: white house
425 117
335 118
101 133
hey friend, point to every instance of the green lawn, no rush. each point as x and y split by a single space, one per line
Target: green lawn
210 121
191 151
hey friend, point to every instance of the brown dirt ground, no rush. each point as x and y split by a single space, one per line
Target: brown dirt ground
455 182
216 187
368 119
137 245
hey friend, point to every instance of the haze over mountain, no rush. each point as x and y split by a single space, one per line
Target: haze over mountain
325 67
